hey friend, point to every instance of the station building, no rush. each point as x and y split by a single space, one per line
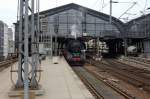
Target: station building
73 20
138 33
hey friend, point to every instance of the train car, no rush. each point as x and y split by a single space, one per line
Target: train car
95 47
132 50
75 52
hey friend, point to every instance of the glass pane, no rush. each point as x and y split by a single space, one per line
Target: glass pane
90 27
90 19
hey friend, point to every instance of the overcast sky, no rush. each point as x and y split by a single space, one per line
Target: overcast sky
8 8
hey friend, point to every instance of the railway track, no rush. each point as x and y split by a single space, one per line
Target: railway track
136 60
135 76
6 63
140 60
98 87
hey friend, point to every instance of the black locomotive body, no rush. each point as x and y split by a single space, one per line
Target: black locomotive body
75 52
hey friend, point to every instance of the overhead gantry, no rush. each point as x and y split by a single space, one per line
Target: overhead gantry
28 66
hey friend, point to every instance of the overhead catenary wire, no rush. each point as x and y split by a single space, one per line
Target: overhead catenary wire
95 3
102 5
145 5
18 7
134 3
56 3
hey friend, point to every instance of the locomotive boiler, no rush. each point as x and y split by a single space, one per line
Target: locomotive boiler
75 52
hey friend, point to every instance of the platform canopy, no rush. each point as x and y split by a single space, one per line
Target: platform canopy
139 27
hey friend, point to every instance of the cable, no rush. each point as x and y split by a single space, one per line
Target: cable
95 3
18 7
134 3
145 5
56 3
102 5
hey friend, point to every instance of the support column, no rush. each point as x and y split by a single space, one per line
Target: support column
56 46
125 46
147 48
19 83
34 51
27 76
26 53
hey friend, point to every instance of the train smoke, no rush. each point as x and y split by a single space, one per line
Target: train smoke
76 28
74 31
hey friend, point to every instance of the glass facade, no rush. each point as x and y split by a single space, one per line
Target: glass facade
139 28
73 23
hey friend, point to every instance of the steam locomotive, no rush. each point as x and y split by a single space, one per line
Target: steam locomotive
75 52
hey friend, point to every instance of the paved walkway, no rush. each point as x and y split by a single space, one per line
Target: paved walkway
58 80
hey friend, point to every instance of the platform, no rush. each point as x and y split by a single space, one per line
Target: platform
58 81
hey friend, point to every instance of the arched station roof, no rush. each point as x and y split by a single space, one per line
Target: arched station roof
119 24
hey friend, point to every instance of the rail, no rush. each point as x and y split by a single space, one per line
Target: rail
138 61
118 90
6 63
98 87
135 76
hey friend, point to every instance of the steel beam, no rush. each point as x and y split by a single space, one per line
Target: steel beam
34 82
26 53
24 80
19 83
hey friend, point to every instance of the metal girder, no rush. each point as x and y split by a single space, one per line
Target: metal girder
25 79
56 27
34 50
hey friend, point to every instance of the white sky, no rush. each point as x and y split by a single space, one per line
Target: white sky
8 8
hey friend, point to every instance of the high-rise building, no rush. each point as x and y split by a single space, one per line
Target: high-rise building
10 41
3 40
